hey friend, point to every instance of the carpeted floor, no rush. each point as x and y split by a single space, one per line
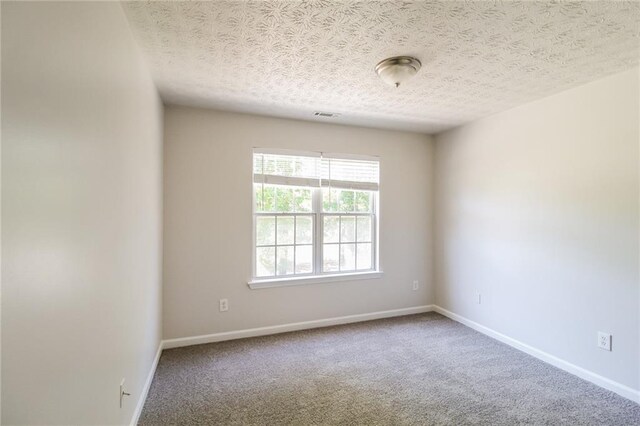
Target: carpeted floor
414 370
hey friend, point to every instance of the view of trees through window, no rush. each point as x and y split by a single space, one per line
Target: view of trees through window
285 199
340 200
285 230
313 213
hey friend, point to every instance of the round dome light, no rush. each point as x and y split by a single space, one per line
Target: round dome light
398 69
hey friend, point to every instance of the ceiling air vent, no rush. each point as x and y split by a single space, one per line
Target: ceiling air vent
326 114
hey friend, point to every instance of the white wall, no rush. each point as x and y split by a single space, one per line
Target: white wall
208 222
537 209
81 214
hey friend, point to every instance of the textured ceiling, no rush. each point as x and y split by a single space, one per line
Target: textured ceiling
291 58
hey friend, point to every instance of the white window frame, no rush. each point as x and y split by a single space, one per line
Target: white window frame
317 276
374 230
275 245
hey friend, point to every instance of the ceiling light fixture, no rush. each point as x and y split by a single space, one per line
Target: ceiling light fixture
398 69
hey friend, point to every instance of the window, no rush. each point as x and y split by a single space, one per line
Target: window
314 214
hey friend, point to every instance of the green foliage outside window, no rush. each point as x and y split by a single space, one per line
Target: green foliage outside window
282 199
343 200
346 239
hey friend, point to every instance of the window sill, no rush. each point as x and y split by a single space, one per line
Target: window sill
316 279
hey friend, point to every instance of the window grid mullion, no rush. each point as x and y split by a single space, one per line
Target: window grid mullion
355 263
339 242
373 229
275 250
319 229
254 255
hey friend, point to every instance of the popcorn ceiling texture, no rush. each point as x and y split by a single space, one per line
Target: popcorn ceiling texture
291 58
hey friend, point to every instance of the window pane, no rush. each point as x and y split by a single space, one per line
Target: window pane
348 229
257 190
330 198
347 201
285 230
284 200
363 201
347 257
304 230
265 261
364 256
285 260
330 257
364 229
264 198
331 229
302 200
304 259
265 230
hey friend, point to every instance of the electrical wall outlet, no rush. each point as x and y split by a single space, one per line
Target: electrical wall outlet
415 285
604 341
479 298
224 305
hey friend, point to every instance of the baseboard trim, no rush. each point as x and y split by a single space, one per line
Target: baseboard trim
147 386
283 328
619 388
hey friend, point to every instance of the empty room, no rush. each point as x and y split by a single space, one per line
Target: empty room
323 212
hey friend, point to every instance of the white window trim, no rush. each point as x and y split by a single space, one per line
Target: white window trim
313 279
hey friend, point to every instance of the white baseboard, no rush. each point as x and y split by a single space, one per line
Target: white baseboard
275 329
147 385
619 388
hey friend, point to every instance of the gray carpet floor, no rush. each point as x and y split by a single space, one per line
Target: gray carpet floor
414 370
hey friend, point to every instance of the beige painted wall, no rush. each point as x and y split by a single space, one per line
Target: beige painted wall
208 221
538 211
81 214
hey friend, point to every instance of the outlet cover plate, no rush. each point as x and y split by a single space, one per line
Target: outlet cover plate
604 341
224 305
